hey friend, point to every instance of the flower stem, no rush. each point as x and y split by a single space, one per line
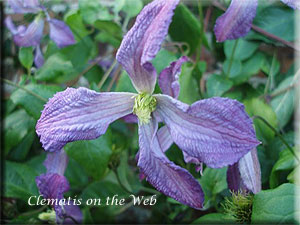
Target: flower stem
24 89
231 57
278 134
105 76
120 182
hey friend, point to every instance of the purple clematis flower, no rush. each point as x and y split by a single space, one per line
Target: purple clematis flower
53 185
215 131
237 20
60 33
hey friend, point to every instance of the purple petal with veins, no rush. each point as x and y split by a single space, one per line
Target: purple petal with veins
216 131
80 114
163 174
236 21
56 162
24 6
168 79
141 43
25 37
60 33
38 57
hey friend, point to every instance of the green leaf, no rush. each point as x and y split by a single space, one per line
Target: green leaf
19 152
189 89
19 181
109 30
93 10
133 7
75 22
235 68
26 57
93 155
244 49
217 85
102 190
185 27
57 68
286 162
283 105
16 126
213 182
257 107
125 84
30 103
163 59
250 67
214 218
281 26
275 206
270 66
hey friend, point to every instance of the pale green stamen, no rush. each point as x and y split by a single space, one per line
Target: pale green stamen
144 105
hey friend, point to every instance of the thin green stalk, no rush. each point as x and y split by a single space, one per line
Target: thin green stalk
231 57
120 182
278 134
105 76
24 89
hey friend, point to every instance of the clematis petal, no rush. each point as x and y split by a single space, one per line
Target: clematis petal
53 186
295 4
24 6
131 118
163 174
250 171
73 211
168 79
60 33
216 131
164 138
56 162
143 41
80 114
38 57
236 21
10 25
234 179
30 36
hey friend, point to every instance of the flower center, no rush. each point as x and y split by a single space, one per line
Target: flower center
144 105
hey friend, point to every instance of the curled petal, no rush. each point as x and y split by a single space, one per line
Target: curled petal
38 58
216 131
80 114
56 162
53 186
250 171
30 36
24 6
236 21
60 33
169 78
73 211
10 25
295 4
163 174
131 118
234 180
143 41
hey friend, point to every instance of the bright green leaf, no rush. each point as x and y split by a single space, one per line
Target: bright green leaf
75 22
26 57
275 206
232 68
244 49
217 85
